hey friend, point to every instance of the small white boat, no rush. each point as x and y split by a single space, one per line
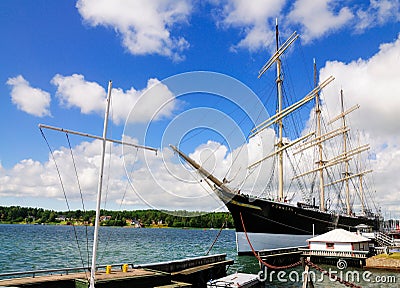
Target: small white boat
242 280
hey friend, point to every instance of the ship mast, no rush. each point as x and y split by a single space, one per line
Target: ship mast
346 161
361 184
281 112
320 148
280 122
345 156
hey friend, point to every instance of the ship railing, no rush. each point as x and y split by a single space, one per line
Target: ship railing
335 253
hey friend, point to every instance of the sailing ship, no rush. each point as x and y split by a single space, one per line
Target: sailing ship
270 222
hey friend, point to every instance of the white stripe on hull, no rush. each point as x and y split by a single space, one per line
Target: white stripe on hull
261 241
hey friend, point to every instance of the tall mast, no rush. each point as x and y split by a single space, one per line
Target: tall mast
280 122
346 161
361 183
318 136
99 190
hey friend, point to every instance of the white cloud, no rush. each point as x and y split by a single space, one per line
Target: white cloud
31 100
254 18
151 103
313 19
318 18
378 13
146 26
30 178
154 186
75 91
373 83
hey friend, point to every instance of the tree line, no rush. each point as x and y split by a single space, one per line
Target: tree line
146 218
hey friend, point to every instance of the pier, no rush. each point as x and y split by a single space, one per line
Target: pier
191 272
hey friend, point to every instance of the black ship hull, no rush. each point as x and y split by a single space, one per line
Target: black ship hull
267 222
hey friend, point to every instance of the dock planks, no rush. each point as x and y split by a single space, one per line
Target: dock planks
67 280
191 272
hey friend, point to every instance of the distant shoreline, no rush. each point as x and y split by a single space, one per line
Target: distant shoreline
131 219
128 227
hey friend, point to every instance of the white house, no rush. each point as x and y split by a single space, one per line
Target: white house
339 240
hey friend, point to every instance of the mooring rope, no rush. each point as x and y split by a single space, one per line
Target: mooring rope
258 256
219 233
331 276
65 197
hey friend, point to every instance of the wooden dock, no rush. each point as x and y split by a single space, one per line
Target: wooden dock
74 279
192 272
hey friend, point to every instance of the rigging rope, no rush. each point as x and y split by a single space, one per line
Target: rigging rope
65 197
80 192
108 239
109 160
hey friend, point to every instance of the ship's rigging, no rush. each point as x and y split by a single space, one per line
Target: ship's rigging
313 159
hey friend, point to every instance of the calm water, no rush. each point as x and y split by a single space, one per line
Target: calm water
36 247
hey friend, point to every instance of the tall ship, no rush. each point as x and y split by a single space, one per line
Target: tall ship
336 195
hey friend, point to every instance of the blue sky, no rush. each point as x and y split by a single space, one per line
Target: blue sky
57 57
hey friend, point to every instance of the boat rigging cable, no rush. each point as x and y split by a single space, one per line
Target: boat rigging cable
110 235
80 192
307 262
109 158
65 197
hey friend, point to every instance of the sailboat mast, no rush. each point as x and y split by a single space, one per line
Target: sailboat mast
346 162
318 136
280 122
104 140
97 220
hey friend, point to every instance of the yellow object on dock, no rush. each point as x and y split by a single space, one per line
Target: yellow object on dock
108 269
125 268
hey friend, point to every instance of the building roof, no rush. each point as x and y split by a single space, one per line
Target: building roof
339 235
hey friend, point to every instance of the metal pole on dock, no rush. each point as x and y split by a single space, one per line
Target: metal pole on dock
100 184
104 140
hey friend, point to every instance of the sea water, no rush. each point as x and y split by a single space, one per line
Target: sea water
39 247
